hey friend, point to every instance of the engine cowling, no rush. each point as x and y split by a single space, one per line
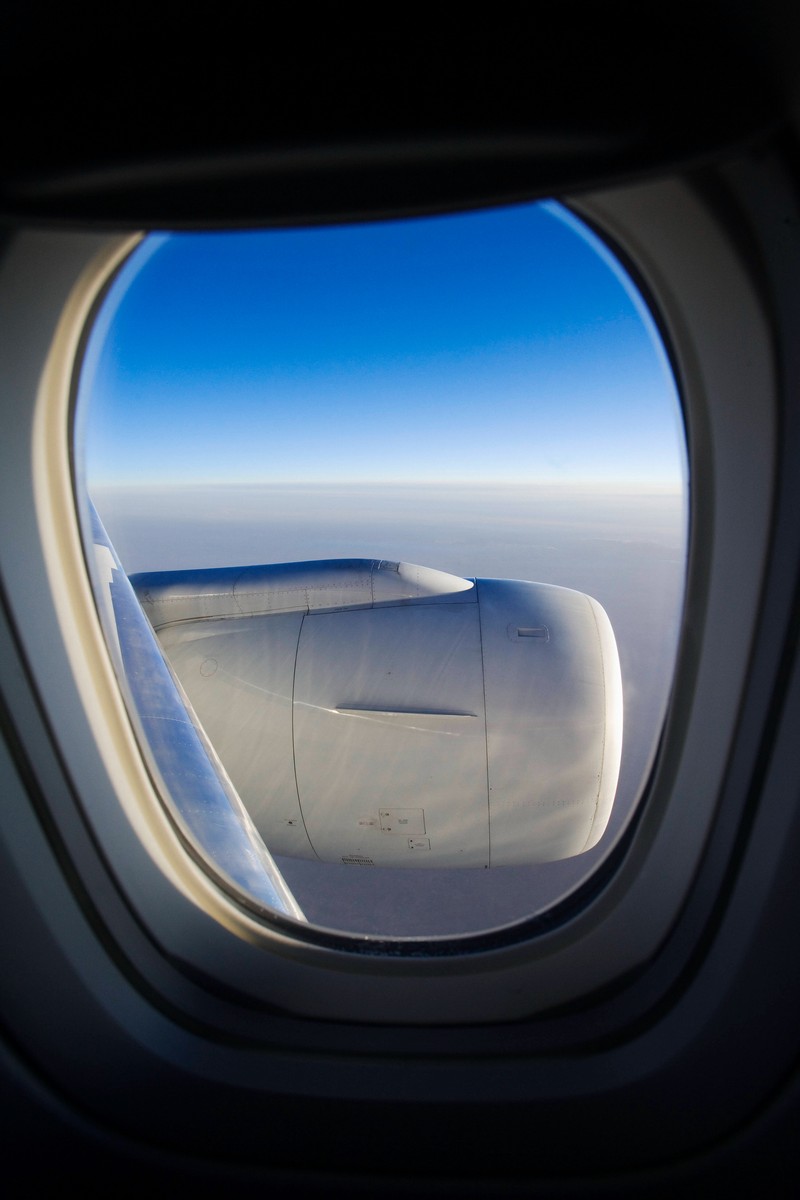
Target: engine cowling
380 713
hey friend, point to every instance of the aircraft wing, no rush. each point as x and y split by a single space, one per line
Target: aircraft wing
204 805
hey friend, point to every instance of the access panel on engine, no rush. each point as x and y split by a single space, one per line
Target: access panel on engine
390 736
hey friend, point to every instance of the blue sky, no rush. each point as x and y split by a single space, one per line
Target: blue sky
500 346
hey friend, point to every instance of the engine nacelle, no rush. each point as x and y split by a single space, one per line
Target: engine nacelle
379 713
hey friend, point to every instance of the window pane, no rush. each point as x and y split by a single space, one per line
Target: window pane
484 395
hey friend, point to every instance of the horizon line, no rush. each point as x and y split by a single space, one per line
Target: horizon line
673 485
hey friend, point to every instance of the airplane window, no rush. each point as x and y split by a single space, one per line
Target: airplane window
405 506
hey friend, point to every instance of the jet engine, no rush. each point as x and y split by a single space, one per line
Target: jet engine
384 714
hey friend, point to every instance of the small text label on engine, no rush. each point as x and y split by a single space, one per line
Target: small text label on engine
408 821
